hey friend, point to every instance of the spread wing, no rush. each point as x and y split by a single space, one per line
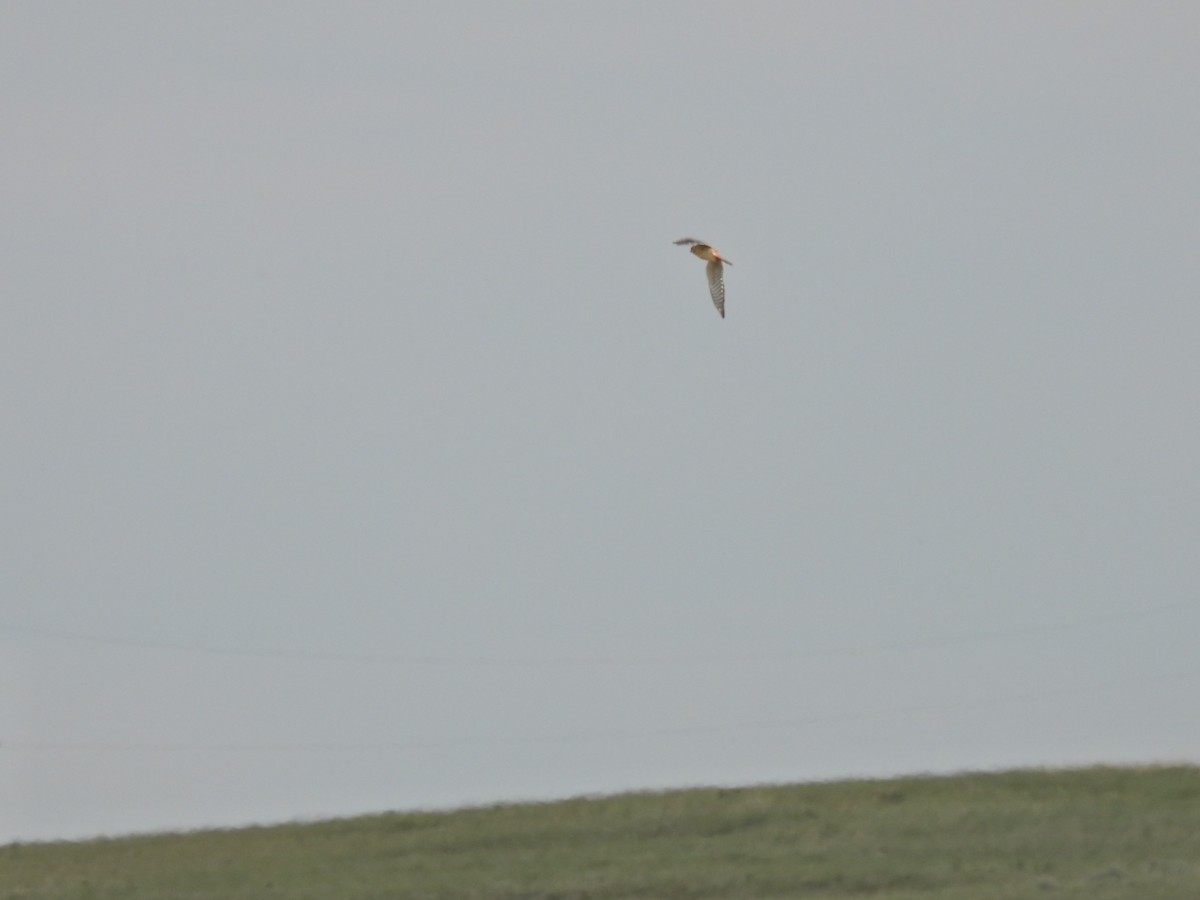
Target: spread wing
682 242
716 284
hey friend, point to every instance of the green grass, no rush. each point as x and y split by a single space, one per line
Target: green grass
1099 833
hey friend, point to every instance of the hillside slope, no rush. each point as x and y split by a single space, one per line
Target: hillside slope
1097 833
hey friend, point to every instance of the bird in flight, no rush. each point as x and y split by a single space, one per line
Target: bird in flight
715 270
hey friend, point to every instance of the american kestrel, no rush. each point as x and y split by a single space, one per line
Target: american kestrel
715 267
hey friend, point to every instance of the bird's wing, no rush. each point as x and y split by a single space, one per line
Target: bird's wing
716 285
688 241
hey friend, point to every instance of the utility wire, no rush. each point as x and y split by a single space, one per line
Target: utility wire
710 728
313 655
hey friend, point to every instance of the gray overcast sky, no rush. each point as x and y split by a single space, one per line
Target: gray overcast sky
368 445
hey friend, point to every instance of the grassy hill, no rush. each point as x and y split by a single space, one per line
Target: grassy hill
1098 833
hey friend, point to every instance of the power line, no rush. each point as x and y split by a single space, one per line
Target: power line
312 655
710 728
